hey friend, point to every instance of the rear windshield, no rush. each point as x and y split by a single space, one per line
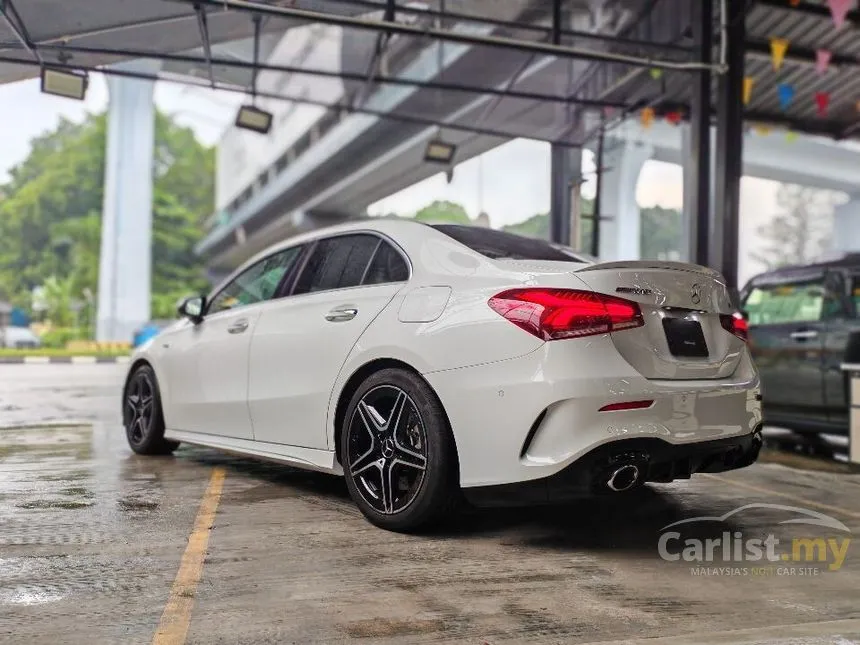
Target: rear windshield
500 245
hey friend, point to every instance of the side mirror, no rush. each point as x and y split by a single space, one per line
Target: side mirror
192 308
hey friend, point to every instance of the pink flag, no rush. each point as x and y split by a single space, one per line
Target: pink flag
822 60
839 10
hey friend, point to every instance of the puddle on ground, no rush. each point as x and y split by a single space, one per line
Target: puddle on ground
53 504
41 442
29 595
128 504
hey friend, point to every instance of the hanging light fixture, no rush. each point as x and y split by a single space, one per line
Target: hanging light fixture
71 84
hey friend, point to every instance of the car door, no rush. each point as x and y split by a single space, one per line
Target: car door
301 342
841 342
207 363
785 315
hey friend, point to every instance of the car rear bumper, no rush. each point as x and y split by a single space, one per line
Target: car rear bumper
657 461
531 417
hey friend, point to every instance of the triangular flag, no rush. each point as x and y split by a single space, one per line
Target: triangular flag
647 117
858 106
656 73
786 94
749 81
839 11
778 47
762 130
794 3
822 60
822 102
674 117
791 136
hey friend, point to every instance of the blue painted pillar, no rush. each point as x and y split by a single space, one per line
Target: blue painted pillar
125 264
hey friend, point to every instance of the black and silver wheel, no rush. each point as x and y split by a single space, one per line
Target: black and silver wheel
142 415
397 451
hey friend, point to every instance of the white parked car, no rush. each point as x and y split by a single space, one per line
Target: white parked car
425 362
19 338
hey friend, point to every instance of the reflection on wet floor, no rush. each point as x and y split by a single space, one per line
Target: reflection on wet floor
91 537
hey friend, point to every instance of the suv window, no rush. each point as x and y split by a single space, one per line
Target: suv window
387 266
337 262
501 245
257 283
785 303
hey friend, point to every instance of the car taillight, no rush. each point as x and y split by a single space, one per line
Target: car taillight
735 324
553 314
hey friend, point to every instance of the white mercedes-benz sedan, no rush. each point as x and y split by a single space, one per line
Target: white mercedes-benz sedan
427 363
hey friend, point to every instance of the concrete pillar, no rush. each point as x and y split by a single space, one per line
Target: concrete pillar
691 217
565 178
125 264
620 223
846 226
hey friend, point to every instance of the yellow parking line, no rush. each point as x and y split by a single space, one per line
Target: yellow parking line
176 617
795 498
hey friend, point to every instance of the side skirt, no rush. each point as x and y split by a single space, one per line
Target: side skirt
308 458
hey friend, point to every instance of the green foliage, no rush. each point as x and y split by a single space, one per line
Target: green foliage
443 211
59 337
660 233
50 215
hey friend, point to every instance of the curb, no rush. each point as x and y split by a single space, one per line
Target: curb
61 360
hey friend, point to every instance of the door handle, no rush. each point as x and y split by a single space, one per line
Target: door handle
804 335
342 314
238 327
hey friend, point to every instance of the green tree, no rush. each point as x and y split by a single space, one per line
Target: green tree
443 211
50 214
800 232
660 233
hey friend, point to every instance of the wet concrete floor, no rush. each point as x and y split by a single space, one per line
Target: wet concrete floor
92 536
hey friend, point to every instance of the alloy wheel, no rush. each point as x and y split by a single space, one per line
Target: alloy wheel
139 403
387 449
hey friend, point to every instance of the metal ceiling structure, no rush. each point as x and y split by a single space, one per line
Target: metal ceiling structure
191 36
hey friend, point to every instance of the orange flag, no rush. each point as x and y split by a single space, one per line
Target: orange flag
778 47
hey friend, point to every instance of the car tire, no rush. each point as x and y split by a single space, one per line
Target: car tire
142 414
374 443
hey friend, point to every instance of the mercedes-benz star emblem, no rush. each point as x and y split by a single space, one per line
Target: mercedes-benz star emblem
696 294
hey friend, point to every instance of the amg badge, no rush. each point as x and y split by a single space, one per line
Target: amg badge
637 291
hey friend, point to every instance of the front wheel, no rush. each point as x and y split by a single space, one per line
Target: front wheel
142 415
398 453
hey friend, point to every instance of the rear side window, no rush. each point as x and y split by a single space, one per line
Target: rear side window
501 245
337 263
785 303
387 266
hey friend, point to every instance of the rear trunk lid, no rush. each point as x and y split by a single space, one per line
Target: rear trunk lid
683 337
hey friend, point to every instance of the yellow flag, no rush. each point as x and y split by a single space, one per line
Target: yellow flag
647 117
762 130
749 81
791 136
778 47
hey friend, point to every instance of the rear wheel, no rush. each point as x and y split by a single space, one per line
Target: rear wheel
142 415
398 453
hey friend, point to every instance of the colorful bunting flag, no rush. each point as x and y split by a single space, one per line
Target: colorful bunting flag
791 136
858 106
761 129
778 47
656 73
674 117
786 94
822 102
822 60
647 117
749 81
839 11
794 3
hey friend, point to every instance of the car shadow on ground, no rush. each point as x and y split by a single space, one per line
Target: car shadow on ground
631 521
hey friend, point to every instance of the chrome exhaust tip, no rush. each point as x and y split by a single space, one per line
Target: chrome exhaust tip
623 478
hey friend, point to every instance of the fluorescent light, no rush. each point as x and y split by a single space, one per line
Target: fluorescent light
71 84
439 151
253 118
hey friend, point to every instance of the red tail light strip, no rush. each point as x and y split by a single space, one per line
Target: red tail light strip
627 405
735 324
553 314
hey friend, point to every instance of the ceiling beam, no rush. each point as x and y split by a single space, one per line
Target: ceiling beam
809 9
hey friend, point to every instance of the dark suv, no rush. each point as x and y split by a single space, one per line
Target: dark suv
804 325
